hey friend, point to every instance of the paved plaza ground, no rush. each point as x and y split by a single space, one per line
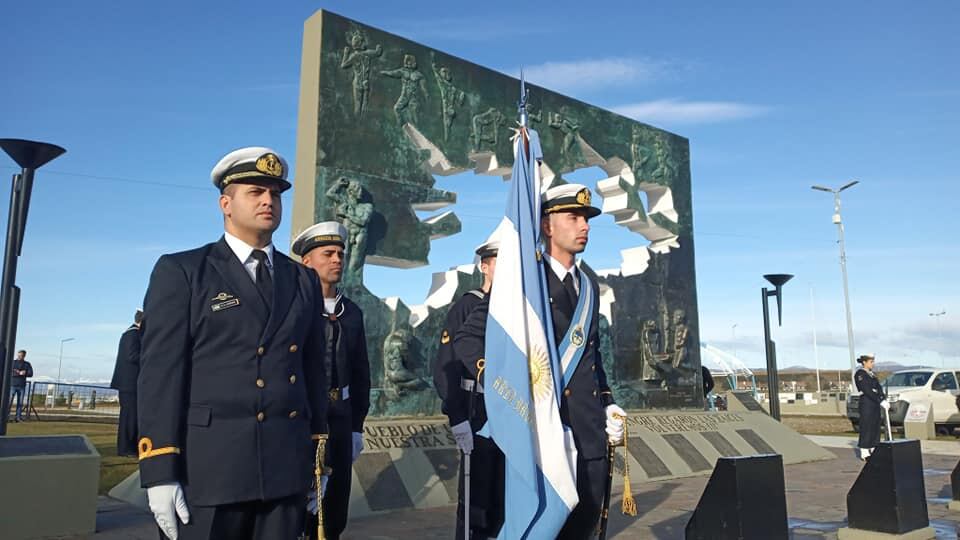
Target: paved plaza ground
816 505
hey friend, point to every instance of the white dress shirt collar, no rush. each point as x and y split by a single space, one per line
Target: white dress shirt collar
561 272
244 252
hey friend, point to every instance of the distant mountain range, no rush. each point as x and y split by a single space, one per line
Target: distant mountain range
880 366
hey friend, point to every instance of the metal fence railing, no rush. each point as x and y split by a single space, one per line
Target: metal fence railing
65 399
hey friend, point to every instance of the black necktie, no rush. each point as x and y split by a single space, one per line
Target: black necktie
264 281
571 290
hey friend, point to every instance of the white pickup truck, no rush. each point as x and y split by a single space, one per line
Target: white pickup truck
931 385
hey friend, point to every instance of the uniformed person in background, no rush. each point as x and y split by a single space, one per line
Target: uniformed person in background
460 385
321 247
587 404
231 391
124 380
872 399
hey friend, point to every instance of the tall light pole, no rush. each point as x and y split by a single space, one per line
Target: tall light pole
843 269
816 353
733 329
773 377
937 316
60 364
30 155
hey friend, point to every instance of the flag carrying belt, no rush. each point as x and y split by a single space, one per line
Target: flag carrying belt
572 347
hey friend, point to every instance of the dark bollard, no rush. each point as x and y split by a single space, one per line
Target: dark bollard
889 496
954 503
744 500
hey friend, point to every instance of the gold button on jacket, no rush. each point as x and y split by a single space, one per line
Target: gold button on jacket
293 379
260 383
293 348
260 417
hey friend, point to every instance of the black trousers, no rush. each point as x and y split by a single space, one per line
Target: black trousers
870 418
276 519
127 426
486 490
591 481
336 499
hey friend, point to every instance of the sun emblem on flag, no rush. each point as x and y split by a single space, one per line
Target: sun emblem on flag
541 380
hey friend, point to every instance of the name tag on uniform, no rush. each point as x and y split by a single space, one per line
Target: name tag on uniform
226 301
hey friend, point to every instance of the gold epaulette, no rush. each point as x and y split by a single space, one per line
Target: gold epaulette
146 450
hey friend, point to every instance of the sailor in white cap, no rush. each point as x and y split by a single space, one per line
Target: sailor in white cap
458 380
587 399
231 387
321 247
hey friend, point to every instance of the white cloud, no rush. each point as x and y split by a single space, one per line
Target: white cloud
581 74
676 111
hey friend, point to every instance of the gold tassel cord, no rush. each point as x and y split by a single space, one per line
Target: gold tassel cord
318 477
629 505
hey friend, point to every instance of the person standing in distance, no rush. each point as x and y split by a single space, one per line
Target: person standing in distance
459 383
321 248
21 371
124 380
231 388
872 399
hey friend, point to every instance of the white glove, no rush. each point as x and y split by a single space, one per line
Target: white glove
464 436
312 506
357 445
167 503
885 404
615 416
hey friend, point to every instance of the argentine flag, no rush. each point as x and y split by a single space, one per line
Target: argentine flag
522 379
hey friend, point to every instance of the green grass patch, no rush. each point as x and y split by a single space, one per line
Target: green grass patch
113 469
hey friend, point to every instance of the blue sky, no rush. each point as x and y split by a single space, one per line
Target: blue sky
146 97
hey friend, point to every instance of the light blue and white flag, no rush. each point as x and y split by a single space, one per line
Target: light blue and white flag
522 377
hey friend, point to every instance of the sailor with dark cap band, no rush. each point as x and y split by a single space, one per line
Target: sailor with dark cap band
459 381
231 394
321 247
586 404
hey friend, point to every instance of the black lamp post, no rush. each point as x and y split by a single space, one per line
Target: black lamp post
30 155
773 378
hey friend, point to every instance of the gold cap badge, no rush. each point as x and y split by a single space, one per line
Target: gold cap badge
269 164
583 196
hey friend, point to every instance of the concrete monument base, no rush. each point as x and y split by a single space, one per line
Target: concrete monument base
846 533
50 484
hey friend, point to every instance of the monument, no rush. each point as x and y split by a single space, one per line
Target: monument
381 117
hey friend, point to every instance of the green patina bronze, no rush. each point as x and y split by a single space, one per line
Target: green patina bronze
382 115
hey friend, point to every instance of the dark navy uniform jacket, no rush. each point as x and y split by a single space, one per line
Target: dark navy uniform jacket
449 370
353 366
230 392
127 369
587 393
870 386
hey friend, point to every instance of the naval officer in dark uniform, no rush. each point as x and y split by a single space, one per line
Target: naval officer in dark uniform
872 399
587 405
321 248
124 380
460 385
231 389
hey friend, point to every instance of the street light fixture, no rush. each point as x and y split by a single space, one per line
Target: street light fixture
773 378
838 221
60 364
30 155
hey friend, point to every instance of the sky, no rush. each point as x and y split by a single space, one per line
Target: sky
773 97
